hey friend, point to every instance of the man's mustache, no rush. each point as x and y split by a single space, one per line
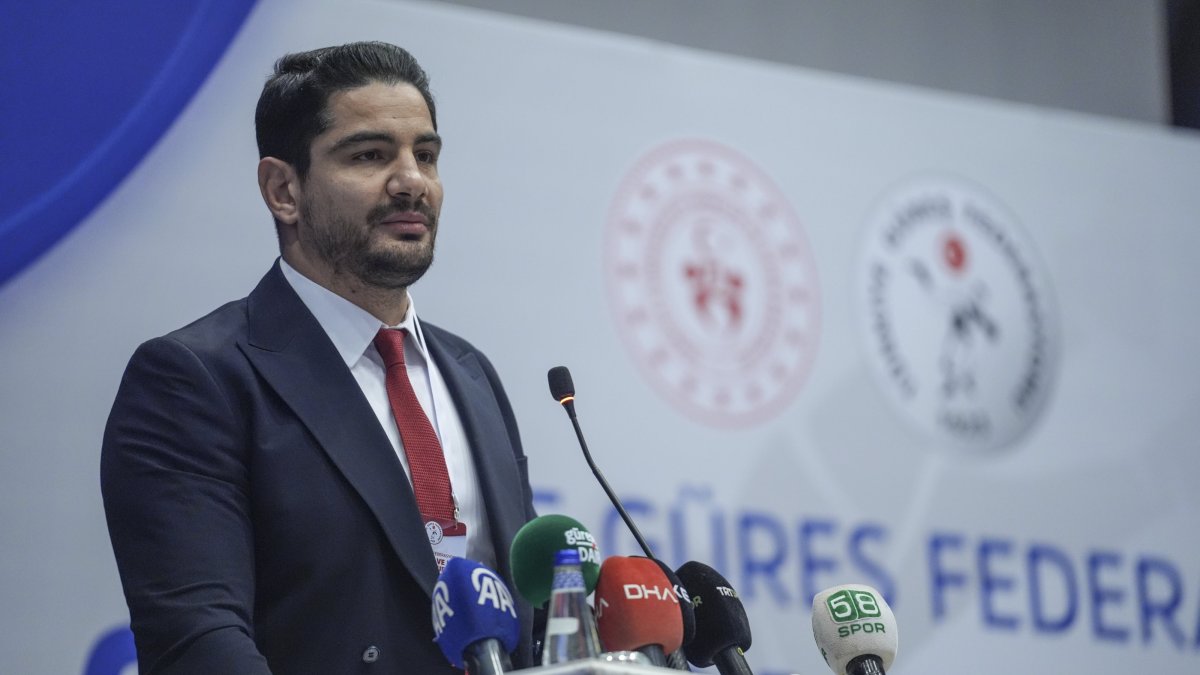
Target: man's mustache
384 211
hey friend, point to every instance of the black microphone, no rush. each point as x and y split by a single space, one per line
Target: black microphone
722 628
563 391
677 660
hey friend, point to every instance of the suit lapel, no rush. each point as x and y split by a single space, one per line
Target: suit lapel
293 354
500 481
487 435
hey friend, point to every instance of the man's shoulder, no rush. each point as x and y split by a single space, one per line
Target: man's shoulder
221 329
204 351
216 331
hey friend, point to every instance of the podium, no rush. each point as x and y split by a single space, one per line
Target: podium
614 663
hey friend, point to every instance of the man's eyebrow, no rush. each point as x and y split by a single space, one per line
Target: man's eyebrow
363 137
430 137
379 136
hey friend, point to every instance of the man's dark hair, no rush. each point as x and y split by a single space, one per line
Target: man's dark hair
294 106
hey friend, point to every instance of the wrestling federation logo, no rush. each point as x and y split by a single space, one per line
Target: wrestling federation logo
958 316
712 283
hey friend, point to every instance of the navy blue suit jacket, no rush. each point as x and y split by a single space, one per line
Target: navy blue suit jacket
260 518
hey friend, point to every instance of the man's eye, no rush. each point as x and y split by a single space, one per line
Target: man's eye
369 155
427 156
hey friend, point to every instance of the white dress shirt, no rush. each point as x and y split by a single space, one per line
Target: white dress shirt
352 331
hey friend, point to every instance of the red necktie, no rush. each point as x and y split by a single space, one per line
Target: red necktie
426 463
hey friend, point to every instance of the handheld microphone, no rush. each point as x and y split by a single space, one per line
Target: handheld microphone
474 619
855 630
563 391
637 610
687 611
677 660
533 550
722 628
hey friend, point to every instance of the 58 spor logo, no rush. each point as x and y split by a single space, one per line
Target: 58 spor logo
847 606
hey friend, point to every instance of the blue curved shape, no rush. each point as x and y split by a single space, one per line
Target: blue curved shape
88 90
112 653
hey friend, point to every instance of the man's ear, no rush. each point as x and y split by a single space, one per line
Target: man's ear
280 188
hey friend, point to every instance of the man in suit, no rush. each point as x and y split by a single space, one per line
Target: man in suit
281 476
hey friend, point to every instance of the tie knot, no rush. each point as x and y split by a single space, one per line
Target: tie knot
390 344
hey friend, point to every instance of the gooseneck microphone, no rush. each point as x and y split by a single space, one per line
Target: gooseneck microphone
722 628
563 391
855 630
474 619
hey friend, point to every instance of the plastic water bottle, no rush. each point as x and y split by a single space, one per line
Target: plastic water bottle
570 629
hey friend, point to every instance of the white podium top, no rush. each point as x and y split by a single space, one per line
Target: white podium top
615 663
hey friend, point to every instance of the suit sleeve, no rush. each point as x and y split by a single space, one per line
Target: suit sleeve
514 435
174 477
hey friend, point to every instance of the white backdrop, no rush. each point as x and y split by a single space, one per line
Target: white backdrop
1065 539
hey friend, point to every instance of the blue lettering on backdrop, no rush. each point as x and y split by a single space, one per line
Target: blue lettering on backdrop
1165 609
701 496
640 511
1039 559
876 576
1118 588
697 529
545 499
991 583
768 565
811 563
1101 596
939 578
1055 594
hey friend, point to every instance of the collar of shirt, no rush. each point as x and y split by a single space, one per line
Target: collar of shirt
350 327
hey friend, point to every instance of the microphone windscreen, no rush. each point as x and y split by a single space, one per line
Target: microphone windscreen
721 620
686 610
471 603
561 385
636 606
852 620
533 550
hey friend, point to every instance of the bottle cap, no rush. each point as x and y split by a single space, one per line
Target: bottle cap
567 556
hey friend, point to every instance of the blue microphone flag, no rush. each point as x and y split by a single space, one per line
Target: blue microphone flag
472 603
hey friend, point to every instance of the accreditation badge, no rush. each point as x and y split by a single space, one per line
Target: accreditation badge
448 540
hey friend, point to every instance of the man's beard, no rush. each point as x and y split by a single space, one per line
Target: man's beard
346 247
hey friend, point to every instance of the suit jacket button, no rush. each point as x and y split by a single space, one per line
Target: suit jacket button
371 654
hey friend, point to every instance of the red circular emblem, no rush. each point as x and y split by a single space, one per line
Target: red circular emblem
954 252
712 283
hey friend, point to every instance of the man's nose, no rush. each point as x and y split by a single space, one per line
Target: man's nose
406 179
